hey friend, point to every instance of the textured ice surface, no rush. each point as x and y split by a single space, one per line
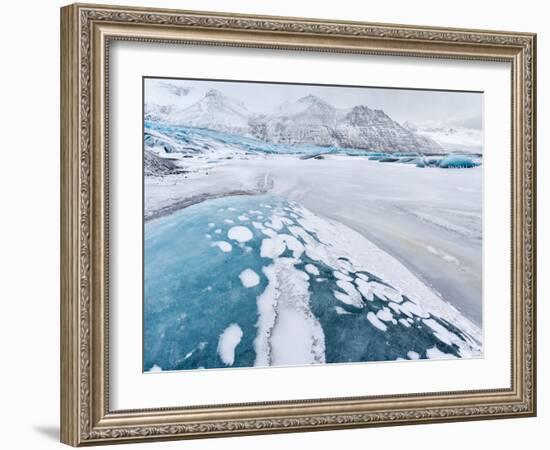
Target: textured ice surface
302 288
457 162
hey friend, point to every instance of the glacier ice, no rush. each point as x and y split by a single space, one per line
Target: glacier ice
457 162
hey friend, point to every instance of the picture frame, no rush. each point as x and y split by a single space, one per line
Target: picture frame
87 34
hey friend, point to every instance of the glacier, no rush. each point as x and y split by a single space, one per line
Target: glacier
309 120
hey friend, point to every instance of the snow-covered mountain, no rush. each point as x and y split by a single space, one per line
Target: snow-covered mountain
215 111
309 120
451 138
381 132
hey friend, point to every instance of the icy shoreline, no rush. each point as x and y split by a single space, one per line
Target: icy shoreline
193 200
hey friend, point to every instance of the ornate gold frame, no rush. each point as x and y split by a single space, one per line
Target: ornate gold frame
86 31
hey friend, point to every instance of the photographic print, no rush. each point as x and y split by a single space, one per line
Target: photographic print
297 224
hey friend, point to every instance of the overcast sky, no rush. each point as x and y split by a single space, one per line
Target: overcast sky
450 108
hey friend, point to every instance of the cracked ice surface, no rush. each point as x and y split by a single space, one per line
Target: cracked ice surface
303 290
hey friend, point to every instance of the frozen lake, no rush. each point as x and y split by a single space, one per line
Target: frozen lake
259 280
430 219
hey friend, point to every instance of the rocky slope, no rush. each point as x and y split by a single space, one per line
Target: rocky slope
308 120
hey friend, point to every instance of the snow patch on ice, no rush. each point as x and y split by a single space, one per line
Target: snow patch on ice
310 268
404 323
249 278
223 246
341 276
435 353
353 295
240 234
288 332
365 289
229 339
375 321
276 245
276 223
440 331
385 315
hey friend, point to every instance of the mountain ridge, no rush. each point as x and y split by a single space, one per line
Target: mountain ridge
308 120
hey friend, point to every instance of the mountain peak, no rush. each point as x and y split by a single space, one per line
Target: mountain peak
363 109
362 115
312 100
307 120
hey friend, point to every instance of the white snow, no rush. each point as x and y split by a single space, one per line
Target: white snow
276 223
365 289
155 368
376 322
339 310
404 323
240 234
288 332
223 246
435 353
342 276
385 315
440 331
344 298
410 309
229 339
310 268
276 245
351 292
268 231
249 278
272 248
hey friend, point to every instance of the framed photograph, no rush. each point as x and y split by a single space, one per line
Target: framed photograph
277 224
